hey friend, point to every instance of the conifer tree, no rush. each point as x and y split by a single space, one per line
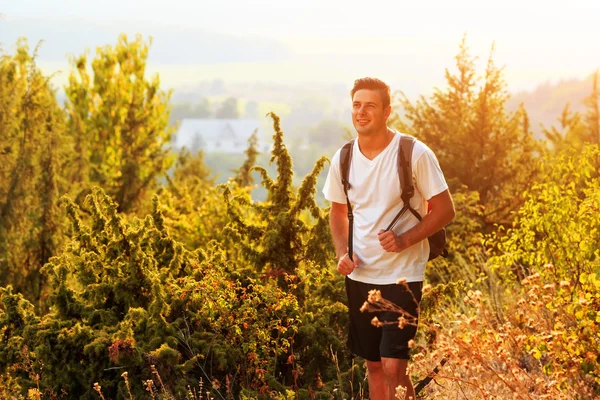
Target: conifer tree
33 155
576 129
191 203
478 142
274 242
119 122
244 175
570 130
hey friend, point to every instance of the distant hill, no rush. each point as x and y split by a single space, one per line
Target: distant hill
546 102
171 45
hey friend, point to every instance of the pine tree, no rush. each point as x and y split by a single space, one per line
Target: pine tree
278 238
32 173
244 175
478 142
576 129
570 131
119 122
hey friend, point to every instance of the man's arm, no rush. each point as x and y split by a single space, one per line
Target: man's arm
338 224
442 212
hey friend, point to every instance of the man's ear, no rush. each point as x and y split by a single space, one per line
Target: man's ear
388 111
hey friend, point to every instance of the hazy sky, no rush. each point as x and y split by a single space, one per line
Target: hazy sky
409 43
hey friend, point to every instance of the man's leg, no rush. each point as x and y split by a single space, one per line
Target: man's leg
378 384
394 346
395 373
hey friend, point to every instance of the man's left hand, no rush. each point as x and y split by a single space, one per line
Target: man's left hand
392 243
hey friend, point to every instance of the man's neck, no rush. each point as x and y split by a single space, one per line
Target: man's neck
370 146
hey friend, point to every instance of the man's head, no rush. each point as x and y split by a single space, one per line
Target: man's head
370 106
373 84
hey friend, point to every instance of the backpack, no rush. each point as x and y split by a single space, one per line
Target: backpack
437 241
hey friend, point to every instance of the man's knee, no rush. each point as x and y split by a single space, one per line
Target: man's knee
394 367
374 366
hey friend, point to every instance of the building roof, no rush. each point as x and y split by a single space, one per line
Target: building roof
192 130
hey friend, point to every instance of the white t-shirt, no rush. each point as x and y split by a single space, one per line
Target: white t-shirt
375 198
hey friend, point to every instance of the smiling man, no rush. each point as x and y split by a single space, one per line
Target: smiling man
381 258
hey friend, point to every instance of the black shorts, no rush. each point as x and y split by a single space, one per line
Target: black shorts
370 342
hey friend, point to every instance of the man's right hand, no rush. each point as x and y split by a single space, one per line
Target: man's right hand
345 265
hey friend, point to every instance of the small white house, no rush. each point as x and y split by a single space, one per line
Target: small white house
218 135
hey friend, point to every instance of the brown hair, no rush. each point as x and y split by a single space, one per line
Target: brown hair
373 84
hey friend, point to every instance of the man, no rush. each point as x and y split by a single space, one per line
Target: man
381 258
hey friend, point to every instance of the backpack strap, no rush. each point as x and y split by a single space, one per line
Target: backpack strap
405 150
345 160
407 143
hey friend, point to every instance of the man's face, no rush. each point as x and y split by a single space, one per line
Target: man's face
368 114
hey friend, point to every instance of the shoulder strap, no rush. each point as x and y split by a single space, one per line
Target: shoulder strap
405 150
345 160
407 143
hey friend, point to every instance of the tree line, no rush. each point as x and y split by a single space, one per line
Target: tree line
118 255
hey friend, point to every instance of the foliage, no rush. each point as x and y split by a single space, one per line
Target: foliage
201 290
328 133
200 109
126 295
559 224
466 252
244 175
541 343
577 129
33 155
119 122
528 327
279 239
477 141
228 109
546 102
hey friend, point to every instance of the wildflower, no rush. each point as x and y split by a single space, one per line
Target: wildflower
149 385
400 392
375 321
374 296
411 344
98 389
124 375
365 306
565 283
590 356
401 322
533 297
401 281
